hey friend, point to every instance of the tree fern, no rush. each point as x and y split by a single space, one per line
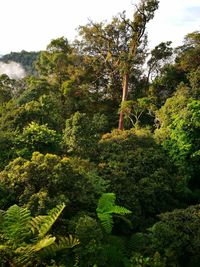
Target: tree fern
106 207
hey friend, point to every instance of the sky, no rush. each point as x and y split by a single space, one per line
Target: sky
31 24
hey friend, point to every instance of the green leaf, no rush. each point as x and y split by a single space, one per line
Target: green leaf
16 224
106 206
44 223
120 210
61 243
106 202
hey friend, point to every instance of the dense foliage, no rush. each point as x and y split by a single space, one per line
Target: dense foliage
131 195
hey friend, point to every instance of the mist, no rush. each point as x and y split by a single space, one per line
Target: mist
13 69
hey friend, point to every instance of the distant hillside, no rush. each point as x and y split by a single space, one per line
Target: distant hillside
26 59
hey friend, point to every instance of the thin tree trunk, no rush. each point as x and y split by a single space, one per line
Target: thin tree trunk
124 97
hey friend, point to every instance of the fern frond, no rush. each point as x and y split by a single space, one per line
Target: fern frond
43 243
27 253
16 225
44 223
37 222
106 201
60 244
120 210
106 207
106 221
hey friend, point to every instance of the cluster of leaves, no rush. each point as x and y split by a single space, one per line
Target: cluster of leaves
25 241
140 173
46 180
106 206
175 238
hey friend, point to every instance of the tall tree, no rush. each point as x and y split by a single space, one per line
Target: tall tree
144 13
118 44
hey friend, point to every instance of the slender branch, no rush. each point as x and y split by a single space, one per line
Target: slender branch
126 21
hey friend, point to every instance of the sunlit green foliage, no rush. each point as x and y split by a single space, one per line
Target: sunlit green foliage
24 240
139 172
179 134
37 137
47 180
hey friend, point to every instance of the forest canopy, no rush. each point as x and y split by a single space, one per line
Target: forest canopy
100 150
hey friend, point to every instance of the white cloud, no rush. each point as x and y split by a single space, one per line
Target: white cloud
12 69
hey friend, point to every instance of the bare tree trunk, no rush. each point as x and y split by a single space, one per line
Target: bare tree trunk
124 97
